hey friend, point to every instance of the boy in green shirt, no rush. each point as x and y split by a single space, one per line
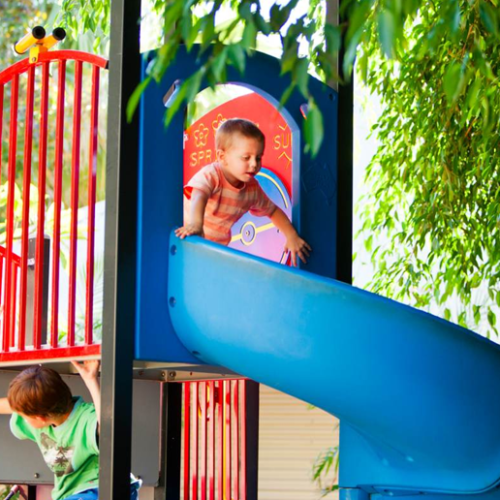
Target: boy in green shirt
65 428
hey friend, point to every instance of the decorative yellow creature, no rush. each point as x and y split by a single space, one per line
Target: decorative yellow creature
37 43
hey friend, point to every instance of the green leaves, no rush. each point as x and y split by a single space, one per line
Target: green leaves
281 14
237 56
387 31
323 465
133 102
452 81
431 219
489 16
313 128
249 38
300 75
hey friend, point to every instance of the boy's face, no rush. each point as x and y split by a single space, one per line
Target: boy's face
35 421
241 160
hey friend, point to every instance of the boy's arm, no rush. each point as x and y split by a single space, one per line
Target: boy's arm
89 371
294 243
5 408
199 201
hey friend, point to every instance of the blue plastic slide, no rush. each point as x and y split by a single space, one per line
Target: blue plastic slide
418 397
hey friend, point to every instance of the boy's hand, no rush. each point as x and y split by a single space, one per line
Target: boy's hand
88 370
189 230
297 247
5 408
294 243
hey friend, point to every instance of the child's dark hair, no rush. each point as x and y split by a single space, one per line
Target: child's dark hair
39 391
246 128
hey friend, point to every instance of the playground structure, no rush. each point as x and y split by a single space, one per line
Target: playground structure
43 318
416 415
24 278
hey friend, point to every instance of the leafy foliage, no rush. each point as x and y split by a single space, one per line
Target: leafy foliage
230 43
87 23
324 462
431 219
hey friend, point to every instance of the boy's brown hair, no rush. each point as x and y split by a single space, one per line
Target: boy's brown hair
246 128
39 391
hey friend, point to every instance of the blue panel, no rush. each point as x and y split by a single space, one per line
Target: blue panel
493 494
160 209
421 393
160 194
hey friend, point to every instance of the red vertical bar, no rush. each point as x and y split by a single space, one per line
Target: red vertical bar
194 442
203 441
235 441
56 239
227 439
40 230
94 118
2 258
11 177
1 141
1 127
243 420
75 179
220 441
211 418
15 272
187 435
28 143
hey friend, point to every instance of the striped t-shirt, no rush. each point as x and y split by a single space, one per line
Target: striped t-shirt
226 204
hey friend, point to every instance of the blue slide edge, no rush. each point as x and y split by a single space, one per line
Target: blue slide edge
416 393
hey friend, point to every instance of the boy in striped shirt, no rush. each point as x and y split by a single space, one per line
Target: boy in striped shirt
222 192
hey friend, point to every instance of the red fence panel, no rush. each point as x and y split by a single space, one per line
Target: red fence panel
214 467
40 318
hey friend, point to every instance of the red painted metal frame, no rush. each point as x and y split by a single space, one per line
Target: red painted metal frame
56 236
42 176
1 126
14 269
94 120
220 440
243 449
57 55
214 440
16 259
203 441
235 444
28 143
187 440
75 179
227 439
195 445
211 444
8 292
48 353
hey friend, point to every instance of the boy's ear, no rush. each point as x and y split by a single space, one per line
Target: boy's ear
220 153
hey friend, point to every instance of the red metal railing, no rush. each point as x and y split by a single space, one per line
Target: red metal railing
9 268
32 299
214 440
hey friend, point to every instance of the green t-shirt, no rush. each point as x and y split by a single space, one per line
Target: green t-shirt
70 449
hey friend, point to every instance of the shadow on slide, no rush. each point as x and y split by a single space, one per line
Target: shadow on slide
419 394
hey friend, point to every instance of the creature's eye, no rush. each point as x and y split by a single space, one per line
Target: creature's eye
246 158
